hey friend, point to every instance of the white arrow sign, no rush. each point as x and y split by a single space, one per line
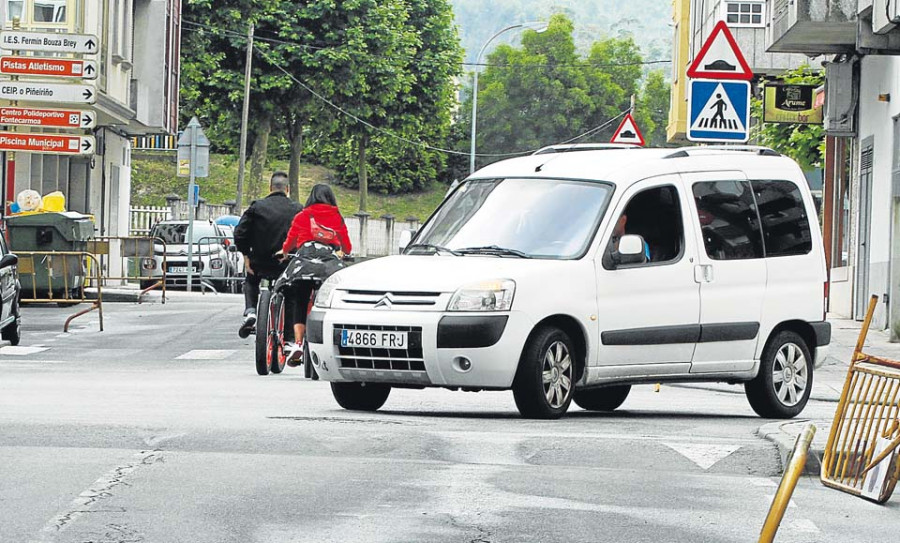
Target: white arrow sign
61 93
50 42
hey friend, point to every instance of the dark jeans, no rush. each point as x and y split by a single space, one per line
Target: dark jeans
251 292
298 301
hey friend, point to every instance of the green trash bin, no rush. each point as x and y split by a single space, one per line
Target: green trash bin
43 232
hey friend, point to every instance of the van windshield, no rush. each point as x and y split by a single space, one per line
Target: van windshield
534 218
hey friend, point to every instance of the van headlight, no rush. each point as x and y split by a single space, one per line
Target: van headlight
496 295
326 292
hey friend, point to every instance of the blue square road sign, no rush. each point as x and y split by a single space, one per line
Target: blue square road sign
719 111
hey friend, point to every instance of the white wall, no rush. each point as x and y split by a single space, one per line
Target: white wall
880 75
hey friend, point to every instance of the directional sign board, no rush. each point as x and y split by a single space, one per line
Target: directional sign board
60 118
50 67
49 42
48 92
720 58
719 111
47 143
628 132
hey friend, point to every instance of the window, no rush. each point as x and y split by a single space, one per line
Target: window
785 223
15 8
655 215
50 11
728 220
745 13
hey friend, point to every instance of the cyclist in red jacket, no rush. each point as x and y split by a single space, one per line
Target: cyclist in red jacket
321 223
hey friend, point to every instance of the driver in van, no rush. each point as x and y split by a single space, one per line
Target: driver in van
620 230
259 234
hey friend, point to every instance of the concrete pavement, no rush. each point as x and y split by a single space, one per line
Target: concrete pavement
159 430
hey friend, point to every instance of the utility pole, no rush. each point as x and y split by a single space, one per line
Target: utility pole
245 116
633 103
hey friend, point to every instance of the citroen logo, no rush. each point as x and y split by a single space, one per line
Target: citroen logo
385 302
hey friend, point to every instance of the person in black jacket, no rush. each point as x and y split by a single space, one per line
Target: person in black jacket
259 235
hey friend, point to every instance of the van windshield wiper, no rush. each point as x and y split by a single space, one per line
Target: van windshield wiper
435 248
493 250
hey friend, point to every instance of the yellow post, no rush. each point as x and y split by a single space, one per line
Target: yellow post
788 484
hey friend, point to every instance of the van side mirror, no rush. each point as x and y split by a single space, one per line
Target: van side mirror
8 261
406 236
631 251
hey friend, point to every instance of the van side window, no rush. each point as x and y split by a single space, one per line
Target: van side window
784 219
728 220
655 215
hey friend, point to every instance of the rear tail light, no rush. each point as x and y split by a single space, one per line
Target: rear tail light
216 263
226 242
148 264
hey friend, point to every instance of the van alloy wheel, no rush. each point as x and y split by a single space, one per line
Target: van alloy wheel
789 374
557 374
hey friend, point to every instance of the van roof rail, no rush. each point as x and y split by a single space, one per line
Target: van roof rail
687 151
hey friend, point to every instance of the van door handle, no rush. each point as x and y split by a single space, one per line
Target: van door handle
703 273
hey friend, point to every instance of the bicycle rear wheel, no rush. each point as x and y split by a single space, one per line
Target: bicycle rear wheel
275 348
263 359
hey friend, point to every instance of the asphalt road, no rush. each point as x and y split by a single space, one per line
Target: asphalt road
159 430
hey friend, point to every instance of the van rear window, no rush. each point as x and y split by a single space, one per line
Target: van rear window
785 223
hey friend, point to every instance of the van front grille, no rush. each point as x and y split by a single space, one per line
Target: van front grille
364 358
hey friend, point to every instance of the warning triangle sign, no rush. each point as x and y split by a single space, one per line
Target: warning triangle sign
720 58
718 114
628 132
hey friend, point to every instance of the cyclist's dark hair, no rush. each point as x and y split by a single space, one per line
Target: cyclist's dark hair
321 194
279 181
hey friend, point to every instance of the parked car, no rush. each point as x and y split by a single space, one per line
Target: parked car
572 277
212 258
10 291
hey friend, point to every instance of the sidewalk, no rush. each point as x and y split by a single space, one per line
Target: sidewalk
827 386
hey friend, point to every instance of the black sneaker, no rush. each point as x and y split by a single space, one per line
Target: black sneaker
247 326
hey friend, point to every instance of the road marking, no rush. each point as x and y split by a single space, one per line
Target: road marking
21 351
100 490
206 355
703 454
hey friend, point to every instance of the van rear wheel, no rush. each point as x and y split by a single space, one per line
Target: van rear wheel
782 388
602 399
360 396
546 378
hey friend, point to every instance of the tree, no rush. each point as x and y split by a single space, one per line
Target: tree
804 143
544 93
653 108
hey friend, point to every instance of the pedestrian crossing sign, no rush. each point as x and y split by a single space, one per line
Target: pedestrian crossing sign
719 111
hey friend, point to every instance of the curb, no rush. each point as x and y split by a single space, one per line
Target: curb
785 441
731 390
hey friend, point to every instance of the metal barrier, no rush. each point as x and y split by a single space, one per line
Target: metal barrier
71 268
137 254
229 275
788 484
861 454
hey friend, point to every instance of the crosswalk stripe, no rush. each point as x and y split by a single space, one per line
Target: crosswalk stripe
704 455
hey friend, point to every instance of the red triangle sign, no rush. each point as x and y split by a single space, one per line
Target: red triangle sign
720 58
628 132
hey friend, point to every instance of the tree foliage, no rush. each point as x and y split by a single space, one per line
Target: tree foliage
544 92
804 143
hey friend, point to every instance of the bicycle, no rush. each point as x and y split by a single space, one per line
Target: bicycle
270 354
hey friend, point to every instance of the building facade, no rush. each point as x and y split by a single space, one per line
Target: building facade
861 219
137 93
693 22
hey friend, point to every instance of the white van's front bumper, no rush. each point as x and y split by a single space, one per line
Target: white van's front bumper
492 366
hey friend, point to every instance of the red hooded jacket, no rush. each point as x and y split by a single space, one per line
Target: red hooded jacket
324 215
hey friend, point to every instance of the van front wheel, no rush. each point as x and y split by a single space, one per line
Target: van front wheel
546 378
785 379
602 399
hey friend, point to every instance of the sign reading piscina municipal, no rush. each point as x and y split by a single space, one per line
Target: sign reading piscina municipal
47 143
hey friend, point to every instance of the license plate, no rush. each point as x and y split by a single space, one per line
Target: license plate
179 269
371 339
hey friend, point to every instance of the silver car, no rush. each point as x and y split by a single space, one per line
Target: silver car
212 263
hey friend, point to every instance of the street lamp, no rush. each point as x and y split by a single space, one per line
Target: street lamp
537 26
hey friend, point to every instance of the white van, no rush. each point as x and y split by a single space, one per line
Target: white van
570 277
